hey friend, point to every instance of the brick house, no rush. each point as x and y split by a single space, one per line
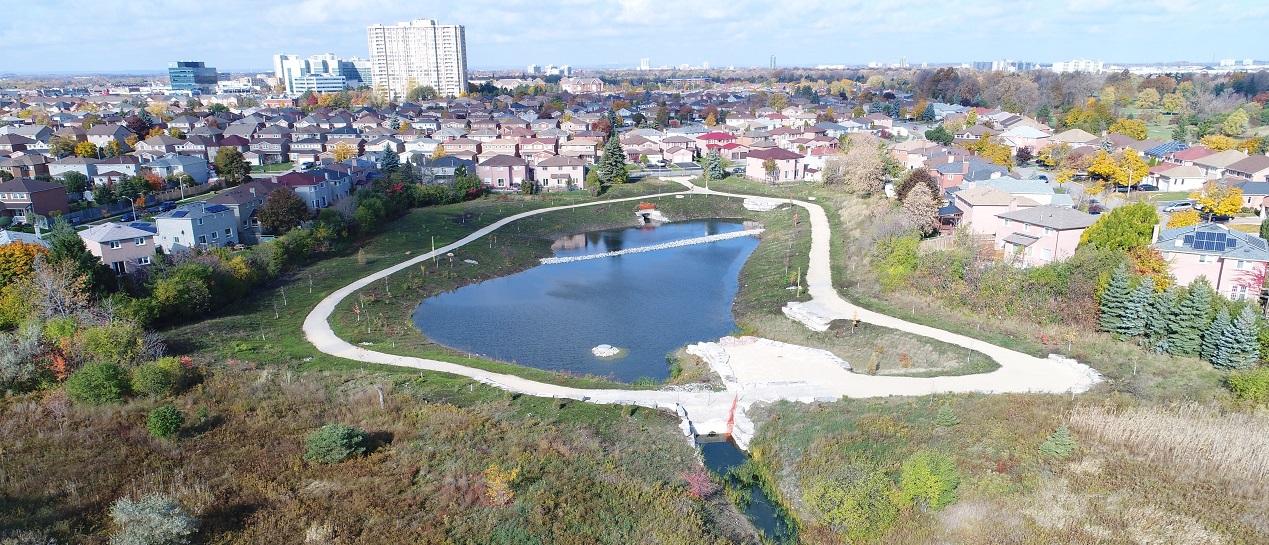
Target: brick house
22 197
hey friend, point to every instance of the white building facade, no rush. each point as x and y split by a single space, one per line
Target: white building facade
421 52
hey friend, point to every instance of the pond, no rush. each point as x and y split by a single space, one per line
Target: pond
646 304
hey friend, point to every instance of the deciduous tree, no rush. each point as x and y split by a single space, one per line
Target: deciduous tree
1218 142
86 149
1172 103
231 166
1126 227
1219 199
283 210
1148 98
1132 128
922 208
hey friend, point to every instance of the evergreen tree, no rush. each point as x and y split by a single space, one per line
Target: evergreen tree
714 166
1237 347
612 163
928 114
1210 350
389 162
1192 316
613 121
1122 306
1264 229
1159 319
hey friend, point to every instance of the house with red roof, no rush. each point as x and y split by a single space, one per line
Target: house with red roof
715 138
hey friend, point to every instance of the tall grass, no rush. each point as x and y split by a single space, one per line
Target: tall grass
1199 440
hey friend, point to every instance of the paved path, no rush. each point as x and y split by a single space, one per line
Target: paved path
806 375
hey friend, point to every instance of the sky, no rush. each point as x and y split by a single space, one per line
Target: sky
103 36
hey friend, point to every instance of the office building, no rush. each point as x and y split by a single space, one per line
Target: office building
191 76
532 69
1078 65
417 53
325 73
645 64
357 71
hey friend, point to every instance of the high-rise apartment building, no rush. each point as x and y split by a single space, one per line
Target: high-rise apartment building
1079 65
645 64
420 52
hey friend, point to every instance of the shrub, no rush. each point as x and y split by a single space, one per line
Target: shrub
154 379
152 520
1060 444
929 478
165 421
334 443
1251 385
859 506
946 418
98 384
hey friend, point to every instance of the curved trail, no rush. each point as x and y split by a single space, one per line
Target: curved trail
753 371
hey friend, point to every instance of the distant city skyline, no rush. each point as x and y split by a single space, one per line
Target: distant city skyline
508 34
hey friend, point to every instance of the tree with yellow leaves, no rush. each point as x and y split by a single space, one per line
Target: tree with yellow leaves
86 149
498 483
343 151
710 120
1218 142
1184 218
1148 98
1121 169
1132 128
439 152
1219 199
992 149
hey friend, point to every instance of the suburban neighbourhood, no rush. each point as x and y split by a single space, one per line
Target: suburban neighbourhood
436 292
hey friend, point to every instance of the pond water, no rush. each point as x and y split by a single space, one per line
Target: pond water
647 304
721 455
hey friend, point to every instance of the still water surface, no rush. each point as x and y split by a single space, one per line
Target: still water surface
648 304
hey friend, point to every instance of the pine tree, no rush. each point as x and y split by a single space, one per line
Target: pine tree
1159 318
1192 316
714 166
1238 346
928 114
1123 306
389 162
1210 350
612 164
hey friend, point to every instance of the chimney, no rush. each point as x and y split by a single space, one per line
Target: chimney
964 167
253 191
1013 203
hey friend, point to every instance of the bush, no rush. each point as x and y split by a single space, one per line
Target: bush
154 379
929 478
334 443
165 421
946 418
1060 444
98 384
152 520
1251 385
859 506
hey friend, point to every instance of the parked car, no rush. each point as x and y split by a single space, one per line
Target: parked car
1095 208
127 217
1178 206
1218 218
1147 187
168 205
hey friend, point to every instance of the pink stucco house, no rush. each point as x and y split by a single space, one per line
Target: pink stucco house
1041 234
788 165
1233 261
123 247
503 172
560 173
981 206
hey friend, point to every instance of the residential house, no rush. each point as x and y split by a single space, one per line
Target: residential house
244 201
581 148
1036 190
109 177
981 206
1254 168
83 165
1255 195
122 247
318 188
560 173
174 164
1215 165
307 149
103 135
1186 157
196 225
971 169
1024 136
444 169
1041 234
499 146
271 150
123 164
26 165
22 197
578 86
9 237
787 165
14 142
158 146
1233 261
1172 177
503 172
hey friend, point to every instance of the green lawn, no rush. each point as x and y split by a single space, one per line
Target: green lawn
273 167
